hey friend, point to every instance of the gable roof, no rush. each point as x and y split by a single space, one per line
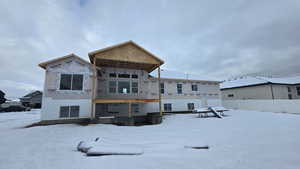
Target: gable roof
259 80
2 93
44 64
126 55
93 53
34 93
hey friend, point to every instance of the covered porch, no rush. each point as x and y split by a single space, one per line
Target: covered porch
126 111
122 107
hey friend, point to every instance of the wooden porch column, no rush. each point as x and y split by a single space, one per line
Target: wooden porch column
129 110
159 92
94 89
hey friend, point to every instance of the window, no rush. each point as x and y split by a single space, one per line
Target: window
112 75
230 95
77 82
179 88
134 87
64 111
65 82
74 111
71 82
298 91
194 87
124 87
124 75
112 87
69 111
167 107
190 106
289 89
162 88
135 108
134 76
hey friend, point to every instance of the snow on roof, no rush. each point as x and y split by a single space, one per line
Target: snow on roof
285 80
171 74
249 81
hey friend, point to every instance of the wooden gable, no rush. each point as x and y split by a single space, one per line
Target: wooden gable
127 54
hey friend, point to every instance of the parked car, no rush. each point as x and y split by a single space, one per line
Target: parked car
12 106
15 108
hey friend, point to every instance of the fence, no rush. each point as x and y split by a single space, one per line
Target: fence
278 106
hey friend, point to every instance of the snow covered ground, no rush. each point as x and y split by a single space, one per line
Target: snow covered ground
243 140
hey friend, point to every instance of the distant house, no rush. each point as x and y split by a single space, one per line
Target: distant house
2 98
261 88
33 99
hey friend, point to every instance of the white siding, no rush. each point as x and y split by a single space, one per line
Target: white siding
181 104
50 108
279 106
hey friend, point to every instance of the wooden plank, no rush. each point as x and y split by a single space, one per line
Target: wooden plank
214 112
125 100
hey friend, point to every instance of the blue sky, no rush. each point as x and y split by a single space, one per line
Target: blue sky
212 38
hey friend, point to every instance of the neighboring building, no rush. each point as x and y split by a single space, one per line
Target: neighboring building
32 99
2 97
261 88
116 85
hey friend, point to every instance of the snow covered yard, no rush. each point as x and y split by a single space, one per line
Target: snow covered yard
244 140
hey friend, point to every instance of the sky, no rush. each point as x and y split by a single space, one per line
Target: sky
214 38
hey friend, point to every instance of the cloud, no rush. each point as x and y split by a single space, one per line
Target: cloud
213 38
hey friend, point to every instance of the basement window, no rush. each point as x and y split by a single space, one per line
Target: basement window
71 82
69 111
191 106
167 107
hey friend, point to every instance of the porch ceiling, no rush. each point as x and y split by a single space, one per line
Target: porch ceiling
124 64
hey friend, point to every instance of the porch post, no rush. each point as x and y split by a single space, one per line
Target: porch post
129 110
159 92
94 89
